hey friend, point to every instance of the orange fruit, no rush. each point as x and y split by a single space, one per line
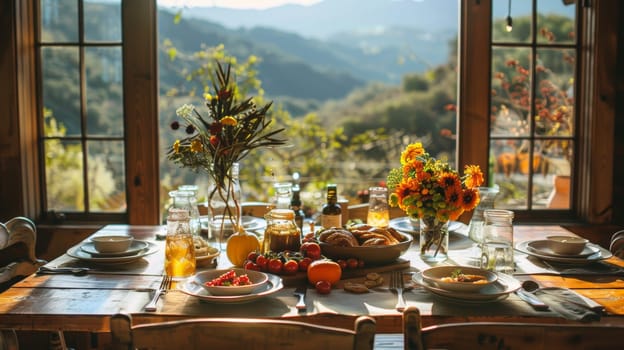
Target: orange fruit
324 270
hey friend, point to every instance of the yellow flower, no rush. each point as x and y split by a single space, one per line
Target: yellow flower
176 146
229 120
474 176
207 97
411 152
196 146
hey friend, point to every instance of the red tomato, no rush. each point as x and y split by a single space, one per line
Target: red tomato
311 250
262 262
290 267
352 263
250 265
275 265
304 263
361 263
323 287
252 256
342 263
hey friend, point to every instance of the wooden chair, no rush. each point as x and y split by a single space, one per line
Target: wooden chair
239 333
499 335
8 340
616 245
18 238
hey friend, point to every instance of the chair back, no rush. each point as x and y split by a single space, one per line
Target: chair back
18 238
499 335
8 340
239 333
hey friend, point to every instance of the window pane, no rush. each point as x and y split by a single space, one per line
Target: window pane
511 172
556 21
59 20
104 91
554 102
107 185
551 188
61 86
104 22
64 185
511 92
520 13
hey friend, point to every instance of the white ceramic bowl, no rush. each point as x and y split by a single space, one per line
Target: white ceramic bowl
112 243
437 276
567 245
257 278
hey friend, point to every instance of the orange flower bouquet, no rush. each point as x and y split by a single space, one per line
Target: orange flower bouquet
430 190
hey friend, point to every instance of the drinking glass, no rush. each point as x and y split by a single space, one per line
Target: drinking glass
179 248
378 214
497 248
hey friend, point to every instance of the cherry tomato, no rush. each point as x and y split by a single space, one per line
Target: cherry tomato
275 265
250 265
323 287
342 263
290 267
262 262
361 263
252 256
352 263
304 263
311 250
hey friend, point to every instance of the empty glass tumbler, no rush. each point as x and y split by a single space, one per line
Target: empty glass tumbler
497 247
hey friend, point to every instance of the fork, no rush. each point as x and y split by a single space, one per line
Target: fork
396 284
165 284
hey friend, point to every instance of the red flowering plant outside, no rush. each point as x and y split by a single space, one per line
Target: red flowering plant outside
429 189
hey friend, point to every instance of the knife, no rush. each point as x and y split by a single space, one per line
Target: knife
301 293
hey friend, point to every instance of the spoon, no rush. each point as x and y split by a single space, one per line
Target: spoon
526 293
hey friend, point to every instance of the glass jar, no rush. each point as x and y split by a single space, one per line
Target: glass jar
497 247
179 247
378 212
283 193
281 233
187 200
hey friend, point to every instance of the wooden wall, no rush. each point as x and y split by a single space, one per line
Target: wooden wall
618 154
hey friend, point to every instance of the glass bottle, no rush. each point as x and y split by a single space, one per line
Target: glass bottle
188 201
179 247
296 206
281 233
331 214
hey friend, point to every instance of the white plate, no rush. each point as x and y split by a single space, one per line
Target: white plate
192 286
135 247
498 290
78 253
250 223
404 224
601 254
542 246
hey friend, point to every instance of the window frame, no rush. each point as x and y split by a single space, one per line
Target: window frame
591 202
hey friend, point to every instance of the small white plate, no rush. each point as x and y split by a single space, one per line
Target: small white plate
542 246
135 247
77 253
496 291
192 287
600 254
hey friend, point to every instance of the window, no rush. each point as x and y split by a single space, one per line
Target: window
140 132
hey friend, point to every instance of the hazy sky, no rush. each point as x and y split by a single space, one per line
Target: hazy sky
247 4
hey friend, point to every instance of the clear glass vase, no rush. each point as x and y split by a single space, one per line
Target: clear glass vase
434 240
224 209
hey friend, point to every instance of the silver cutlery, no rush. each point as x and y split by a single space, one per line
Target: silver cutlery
78 271
526 293
165 285
396 284
300 292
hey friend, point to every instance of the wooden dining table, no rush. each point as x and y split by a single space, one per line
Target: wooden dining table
85 302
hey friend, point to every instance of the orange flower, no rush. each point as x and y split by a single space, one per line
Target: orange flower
412 151
470 198
474 176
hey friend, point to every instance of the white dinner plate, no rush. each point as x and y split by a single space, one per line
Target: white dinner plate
134 248
600 254
404 224
542 246
498 290
78 253
192 286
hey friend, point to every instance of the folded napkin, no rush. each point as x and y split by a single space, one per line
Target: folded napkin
570 304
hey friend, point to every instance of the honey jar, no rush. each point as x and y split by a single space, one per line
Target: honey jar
281 233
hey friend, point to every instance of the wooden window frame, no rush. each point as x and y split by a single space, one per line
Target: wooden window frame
20 169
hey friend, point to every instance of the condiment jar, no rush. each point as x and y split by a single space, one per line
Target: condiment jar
281 233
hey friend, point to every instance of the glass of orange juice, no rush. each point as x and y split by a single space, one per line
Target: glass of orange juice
378 212
179 247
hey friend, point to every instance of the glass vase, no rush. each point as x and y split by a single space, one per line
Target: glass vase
487 197
224 209
434 240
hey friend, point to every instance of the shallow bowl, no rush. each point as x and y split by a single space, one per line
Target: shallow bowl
112 243
381 254
567 245
436 277
257 279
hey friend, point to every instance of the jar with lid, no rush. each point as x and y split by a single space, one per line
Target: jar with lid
187 200
281 233
179 248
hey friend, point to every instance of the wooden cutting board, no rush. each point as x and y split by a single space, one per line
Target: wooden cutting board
302 277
